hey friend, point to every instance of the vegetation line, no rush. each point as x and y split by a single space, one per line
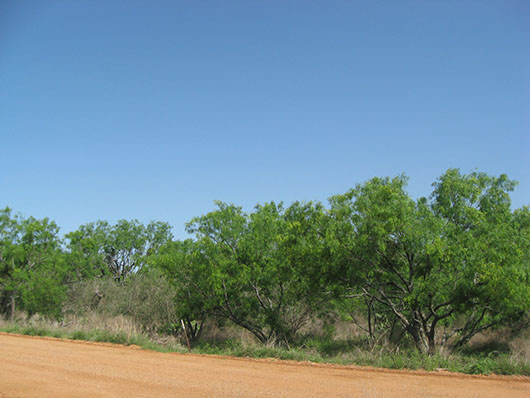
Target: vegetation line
375 278
501 364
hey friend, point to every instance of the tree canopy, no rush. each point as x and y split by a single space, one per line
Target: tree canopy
32 268
457 260
250 268
119 250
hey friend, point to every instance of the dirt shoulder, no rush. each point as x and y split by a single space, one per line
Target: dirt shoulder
47 367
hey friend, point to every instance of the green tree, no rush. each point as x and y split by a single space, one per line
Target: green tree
488 244
183 266
100 249
33 271
252 269
430 264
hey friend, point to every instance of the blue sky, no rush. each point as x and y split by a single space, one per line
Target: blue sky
153 110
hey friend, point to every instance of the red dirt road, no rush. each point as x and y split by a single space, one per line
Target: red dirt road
43 367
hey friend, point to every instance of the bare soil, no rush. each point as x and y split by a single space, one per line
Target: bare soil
47 367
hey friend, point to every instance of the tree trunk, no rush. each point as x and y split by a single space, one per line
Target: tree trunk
431 339
13 306
193 329
419 336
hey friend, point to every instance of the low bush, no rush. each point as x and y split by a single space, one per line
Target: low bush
146 299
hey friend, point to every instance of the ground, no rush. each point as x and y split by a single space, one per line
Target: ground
45 367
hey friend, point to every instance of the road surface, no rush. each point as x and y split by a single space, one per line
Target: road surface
44 367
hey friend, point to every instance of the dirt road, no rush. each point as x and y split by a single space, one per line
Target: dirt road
42 367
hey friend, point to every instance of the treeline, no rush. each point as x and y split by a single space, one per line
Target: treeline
435 271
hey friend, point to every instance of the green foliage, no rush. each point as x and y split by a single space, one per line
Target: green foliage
100 249
42 294
427 264
181 263
256 270
33 273
433 271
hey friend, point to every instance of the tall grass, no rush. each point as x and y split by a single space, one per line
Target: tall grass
92 327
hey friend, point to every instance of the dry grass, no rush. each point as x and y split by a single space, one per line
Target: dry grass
520 348
72 323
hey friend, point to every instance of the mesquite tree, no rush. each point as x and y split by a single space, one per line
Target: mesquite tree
33 271
253 269
456 263
119 250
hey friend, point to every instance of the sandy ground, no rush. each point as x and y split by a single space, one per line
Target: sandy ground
44 367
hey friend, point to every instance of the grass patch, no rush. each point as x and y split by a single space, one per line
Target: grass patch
347 353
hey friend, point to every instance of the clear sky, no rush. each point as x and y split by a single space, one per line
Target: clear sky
154 109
